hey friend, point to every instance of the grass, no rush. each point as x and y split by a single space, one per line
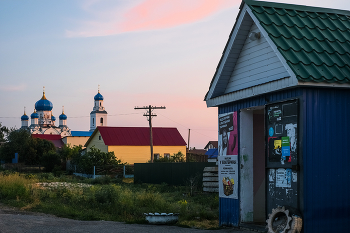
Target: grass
107 199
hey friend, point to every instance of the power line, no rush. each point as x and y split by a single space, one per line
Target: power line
149 116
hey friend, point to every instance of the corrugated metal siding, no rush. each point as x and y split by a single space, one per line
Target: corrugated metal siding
260 100
229 212
326 160
257 64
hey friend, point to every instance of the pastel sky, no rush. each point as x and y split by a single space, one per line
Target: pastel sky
140 52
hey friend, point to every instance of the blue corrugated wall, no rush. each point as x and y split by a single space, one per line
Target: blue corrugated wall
229 208
326 160
229 212
325 143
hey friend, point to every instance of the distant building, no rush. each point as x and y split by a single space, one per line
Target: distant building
211 145
132 144
43 121
77 138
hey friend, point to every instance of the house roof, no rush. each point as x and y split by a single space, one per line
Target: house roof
55 139
214 143
212 153
81 133
314 41
138 136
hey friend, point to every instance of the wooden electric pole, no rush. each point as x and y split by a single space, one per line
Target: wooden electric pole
149 116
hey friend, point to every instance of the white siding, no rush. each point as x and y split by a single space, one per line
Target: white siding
257 64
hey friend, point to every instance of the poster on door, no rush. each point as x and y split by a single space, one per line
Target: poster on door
228 176
228 134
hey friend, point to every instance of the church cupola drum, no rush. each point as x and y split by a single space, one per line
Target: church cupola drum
98 116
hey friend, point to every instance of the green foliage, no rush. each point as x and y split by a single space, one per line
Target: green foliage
49 160
30 149
175 158
94 157
13 186
122 202
4 131
67 152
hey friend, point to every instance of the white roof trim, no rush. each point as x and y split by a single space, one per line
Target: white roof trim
228 50
279 84
255 90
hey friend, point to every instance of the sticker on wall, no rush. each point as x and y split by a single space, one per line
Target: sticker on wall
283 178
292 134
279 128
294 177
285 149
271 132
272 175
228 176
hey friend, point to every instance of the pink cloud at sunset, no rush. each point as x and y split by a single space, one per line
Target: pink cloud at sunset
146 15
158 14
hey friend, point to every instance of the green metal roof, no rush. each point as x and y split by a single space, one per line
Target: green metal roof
314 41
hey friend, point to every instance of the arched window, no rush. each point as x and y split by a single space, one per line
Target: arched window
101 121
100 104
93 121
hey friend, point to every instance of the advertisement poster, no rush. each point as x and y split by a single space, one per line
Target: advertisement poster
228 176
228 134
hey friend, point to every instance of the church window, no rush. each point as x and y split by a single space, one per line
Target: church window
100 104
99 137
93 121
101 121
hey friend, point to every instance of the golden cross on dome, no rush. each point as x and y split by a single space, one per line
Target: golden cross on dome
98 88
62 109
24 110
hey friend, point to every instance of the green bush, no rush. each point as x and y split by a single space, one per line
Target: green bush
13 186
49 160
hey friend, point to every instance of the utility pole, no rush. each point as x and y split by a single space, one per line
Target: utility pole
188 143
149 116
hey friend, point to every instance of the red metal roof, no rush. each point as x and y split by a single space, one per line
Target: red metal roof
55 139
139 136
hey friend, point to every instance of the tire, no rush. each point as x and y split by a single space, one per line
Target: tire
279 221
297 224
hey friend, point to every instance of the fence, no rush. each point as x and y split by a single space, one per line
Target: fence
170 173
107 170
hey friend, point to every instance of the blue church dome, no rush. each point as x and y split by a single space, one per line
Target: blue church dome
63 116
98 96
43 104
24 117
34 115
53 118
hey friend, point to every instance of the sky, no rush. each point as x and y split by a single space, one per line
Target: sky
140 53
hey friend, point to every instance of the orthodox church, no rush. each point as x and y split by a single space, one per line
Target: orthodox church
43 121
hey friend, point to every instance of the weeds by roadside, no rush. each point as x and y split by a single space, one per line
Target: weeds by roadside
106 199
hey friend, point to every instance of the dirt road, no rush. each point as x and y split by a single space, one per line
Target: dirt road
13 220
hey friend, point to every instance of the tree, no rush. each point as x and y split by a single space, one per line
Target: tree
175 158
29 149
4 131
17 142
94 157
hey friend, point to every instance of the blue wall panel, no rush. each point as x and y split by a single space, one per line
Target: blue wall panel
229 212
260 100
326 160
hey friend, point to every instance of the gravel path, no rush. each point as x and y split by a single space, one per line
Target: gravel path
13 220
